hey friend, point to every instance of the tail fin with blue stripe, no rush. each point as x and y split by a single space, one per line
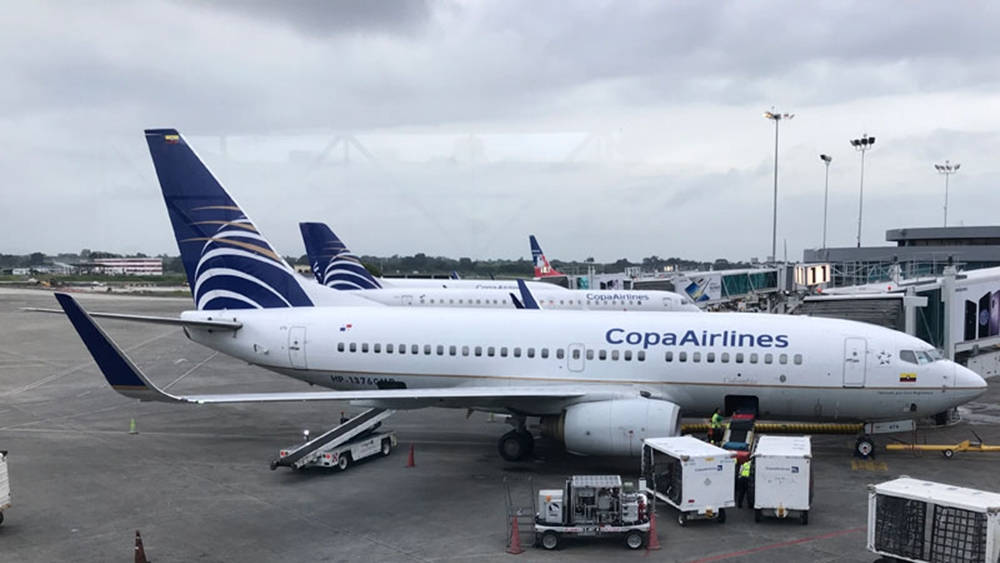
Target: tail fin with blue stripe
332 263
229 264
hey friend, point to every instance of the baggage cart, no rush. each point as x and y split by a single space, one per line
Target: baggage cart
693 476
781 477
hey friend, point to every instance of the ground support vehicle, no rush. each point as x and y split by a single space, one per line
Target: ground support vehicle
588 506
695 477
781 477
349 442
923 521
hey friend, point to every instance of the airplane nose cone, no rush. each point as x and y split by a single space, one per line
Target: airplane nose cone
965 378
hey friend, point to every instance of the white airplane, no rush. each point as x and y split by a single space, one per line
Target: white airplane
600 381
335 266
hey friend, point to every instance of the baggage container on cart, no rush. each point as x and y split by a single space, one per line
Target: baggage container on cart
914 520
781 481
690 475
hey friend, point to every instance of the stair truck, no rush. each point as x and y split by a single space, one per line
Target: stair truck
589 506
695 477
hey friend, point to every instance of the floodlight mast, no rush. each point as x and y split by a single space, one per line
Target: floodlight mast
862 145
827 159
946 169
776 117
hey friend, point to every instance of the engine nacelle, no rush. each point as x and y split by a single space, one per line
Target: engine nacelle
615 427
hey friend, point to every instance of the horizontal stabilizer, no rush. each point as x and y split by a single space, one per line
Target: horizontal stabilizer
172 321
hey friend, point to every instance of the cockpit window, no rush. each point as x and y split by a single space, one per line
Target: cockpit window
920 357
934 354
908 356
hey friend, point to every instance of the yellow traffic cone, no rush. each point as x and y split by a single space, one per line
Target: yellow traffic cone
131 427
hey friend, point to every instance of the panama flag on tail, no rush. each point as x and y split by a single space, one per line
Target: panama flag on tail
542 267
332 263
229 264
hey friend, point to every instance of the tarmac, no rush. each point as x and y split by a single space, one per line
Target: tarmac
195 479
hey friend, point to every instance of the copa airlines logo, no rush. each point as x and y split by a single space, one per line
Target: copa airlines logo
345 270
630 297
725 339
237 268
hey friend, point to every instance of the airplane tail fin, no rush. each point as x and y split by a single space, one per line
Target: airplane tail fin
229 264
542 267
332 263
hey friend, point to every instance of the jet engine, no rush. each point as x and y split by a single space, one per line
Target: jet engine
615 427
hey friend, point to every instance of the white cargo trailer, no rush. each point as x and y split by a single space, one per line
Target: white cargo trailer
914 520
4 485
781 481
693 476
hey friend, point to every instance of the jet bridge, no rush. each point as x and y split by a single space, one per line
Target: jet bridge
311 450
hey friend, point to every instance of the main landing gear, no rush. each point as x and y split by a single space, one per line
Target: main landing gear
518 444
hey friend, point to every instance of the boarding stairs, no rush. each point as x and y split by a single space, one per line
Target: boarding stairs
308 452
519 501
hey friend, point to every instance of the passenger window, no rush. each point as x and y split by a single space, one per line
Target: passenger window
491 351
641 356
354 347
783 359
710 357
724 357
768 358
590 354
340 346
377 348
465 350
614 355
440 350
908 356
427 349
576 353
696 357
560 354
682 356
388 348
739 357
451 350
602 354
669 356
402 348
545 352
503 352
531 352
479 351
414 349
517 351
364 348
753 358
628 355
798 359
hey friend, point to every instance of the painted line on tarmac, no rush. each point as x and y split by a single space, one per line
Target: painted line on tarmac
777 545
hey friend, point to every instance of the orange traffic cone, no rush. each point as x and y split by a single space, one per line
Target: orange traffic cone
140 553
653 543
514 545
409 460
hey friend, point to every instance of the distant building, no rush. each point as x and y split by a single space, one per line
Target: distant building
918 252
130 266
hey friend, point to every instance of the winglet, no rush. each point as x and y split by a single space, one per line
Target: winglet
526 297
123 376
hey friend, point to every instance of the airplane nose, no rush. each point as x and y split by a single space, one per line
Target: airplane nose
965 378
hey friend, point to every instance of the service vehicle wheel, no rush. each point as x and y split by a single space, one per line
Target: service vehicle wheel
948 454
511 446
1 517
550 540
757 514
682 519
804 518
864 447
344 462
386 447
721 516
633 539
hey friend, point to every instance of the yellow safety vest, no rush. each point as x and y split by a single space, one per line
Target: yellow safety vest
716 420
745 469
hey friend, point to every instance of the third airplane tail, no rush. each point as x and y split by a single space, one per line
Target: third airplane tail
542 267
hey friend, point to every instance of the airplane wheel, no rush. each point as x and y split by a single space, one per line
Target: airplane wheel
550 540
948 454
864 447
528 441
512 446
633 539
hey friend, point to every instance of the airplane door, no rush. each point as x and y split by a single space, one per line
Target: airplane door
297 346
855 361
406 299
574 357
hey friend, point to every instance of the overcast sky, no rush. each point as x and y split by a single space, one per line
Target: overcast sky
608 129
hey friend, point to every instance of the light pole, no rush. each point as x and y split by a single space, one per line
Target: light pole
862 145
947 169
776 117
827 159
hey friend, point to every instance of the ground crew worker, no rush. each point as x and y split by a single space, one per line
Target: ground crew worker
743 484
715 433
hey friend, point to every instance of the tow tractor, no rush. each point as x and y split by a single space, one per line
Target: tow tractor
349 442
589 506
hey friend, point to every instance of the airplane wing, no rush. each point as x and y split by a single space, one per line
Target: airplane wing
173 321
127 379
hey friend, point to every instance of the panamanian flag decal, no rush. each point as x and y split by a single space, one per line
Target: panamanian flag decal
345 328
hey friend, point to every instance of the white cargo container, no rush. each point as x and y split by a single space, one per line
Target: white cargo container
693 476
4 485
914 520
781 482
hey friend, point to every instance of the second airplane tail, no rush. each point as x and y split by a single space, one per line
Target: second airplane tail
332 263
